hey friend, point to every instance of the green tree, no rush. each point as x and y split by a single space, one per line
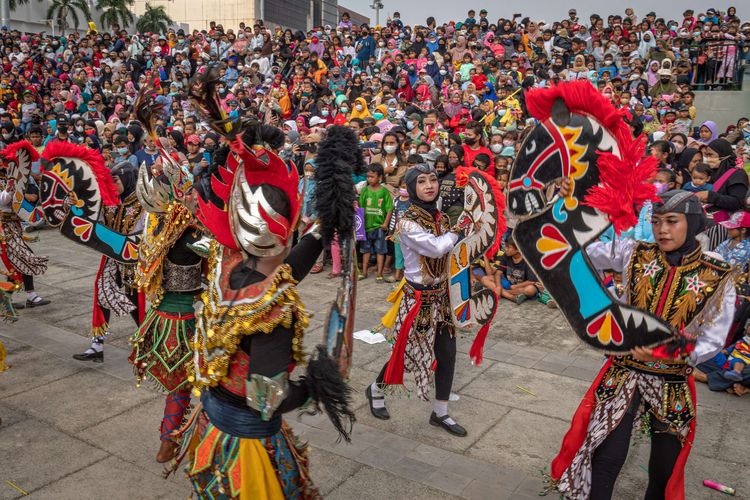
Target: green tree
59 10
115 12
153 20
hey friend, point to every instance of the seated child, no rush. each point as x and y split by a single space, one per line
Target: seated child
738 357
701 179
511 277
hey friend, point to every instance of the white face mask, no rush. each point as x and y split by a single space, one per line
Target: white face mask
496 148
359 107
324 112
507 142
177 128
400 113
287 147
390 149
443 72
410 125
392 111
413 151
309 175
79 128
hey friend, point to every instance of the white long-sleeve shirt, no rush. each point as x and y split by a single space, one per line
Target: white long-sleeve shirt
710 334
416 241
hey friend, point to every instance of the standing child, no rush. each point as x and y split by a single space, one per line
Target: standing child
377 204
400 207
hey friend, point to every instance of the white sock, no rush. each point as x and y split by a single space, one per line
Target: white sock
97 345
31 296
441 409
377 393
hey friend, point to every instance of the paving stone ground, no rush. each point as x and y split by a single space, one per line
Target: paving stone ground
74 430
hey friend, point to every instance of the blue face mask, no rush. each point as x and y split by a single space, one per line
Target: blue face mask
377 116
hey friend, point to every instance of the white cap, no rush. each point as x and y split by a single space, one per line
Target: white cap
316 120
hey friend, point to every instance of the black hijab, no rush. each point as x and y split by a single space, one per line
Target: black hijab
411 186
724 150
128 175
683 162
683 202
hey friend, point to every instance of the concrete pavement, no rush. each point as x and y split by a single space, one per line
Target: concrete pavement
81 430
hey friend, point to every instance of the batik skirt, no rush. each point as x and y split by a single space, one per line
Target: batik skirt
161 346
667 404
16 254
416 316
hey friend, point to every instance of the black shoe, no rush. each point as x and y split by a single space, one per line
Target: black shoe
37 302
454 429
381 413
96 357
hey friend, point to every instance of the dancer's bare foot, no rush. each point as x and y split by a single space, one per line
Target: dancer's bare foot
740 389
167 451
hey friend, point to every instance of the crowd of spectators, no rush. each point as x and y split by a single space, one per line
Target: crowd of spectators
447 94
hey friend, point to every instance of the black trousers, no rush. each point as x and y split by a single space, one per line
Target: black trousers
135 313
610 456
28 282
445 355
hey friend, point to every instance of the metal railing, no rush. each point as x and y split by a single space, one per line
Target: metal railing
717 65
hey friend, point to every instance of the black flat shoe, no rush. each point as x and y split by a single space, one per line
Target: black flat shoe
37 303
96 357
381 413
454 429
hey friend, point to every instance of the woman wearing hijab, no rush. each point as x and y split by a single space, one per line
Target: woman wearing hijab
651 385
404 90
730 186
114 285
360 109
708 132
688 159
425 338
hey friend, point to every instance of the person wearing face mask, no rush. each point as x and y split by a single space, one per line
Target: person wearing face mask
393 161
473 146
451 196
653 383
730 185
414 127
114 285
422 346
665 85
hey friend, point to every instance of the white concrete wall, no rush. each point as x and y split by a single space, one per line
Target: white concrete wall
30 18
198 13
724 107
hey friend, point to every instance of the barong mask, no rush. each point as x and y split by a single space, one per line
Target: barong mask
15 169
582 137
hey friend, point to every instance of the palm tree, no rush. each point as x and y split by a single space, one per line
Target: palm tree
59 10
115 12
153 20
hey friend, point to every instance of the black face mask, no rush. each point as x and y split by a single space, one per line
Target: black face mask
470 140
63 129
665 80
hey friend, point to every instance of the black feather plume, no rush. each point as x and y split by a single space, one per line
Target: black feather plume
147 110
328 389
206 102
339 156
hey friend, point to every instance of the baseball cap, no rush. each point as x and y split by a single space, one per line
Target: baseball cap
738 220
316 120
193 139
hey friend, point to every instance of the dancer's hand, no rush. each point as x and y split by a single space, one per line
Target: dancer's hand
643 354
565 188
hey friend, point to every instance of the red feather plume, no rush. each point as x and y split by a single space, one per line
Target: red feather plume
94 159
11 151
623 184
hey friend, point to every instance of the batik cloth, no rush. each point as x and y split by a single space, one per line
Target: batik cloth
16 254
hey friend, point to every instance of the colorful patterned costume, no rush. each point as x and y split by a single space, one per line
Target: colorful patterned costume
17 257
421 305
697 295
170 273
250 321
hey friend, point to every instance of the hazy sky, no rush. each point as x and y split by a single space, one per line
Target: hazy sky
416 11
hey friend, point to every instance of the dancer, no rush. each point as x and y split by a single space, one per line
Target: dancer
169 273
694 292
20 261
114 285
251 321
423 329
